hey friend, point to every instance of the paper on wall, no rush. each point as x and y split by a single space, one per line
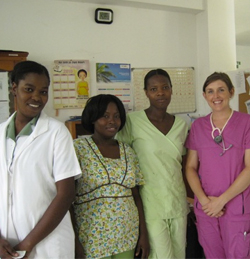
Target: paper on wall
4 86
238 79
248 80
4 111
247 103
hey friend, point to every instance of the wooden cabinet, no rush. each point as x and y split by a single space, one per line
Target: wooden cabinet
8 59
76 129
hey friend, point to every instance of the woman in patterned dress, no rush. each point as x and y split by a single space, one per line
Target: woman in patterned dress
108 211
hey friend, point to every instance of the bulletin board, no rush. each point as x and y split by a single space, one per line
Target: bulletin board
183 83
245 97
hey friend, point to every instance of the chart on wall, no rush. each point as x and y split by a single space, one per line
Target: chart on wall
183 83
115 78
70 83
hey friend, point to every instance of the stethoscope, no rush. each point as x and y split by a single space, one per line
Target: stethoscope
218 139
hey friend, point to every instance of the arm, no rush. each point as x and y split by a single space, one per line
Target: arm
143 243
52 216
237 187
193 178
79 251
189 191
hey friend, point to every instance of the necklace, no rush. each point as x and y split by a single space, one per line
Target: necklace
218 139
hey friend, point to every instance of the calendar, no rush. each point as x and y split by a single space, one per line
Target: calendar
183 85
70 83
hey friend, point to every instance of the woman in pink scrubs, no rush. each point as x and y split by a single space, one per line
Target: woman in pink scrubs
218 171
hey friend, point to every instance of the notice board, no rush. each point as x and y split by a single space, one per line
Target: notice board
183 83
245 97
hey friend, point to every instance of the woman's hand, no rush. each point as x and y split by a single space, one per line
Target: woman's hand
6 250
214 208
143 245
24 246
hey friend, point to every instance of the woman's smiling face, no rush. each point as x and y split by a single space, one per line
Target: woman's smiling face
218 95
31 95
108 125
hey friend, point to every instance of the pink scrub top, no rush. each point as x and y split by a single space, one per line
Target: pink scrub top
217 172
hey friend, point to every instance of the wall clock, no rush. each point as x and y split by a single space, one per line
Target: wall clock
103 15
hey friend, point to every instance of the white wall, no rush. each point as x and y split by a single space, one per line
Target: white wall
51 30
243 55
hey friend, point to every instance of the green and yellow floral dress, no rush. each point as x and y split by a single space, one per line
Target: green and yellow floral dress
106 214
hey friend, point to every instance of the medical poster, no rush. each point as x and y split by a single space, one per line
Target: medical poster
70 83
115 78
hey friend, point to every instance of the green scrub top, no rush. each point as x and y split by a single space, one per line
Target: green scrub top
160 158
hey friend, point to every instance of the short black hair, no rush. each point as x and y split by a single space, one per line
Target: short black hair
95 108
218 76
23 68
154 72
82 70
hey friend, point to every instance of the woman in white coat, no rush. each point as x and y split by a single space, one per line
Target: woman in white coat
38 166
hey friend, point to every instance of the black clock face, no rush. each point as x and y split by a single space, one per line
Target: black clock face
105 16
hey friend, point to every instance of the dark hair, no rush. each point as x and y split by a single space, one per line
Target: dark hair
82 70
218 76
96 107
23 68
154 72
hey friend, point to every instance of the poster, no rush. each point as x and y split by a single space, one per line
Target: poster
71 85
115 78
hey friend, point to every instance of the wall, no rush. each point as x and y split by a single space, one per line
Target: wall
51 30
243 55
143 37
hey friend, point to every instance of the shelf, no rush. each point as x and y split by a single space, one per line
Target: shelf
75 128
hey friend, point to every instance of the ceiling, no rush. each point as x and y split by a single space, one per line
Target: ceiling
242 22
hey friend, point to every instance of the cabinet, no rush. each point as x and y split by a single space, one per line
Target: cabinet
75 128
8 59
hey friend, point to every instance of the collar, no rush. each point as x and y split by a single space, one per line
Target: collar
26 131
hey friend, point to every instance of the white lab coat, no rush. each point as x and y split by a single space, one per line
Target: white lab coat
46 157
